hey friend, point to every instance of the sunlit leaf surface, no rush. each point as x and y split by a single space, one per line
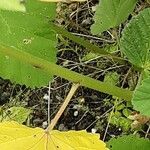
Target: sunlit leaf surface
14 136
29 32
14 5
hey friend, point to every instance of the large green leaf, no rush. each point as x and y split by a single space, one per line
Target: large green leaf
14 5
130 142
135 41
141 98
25 32
111 13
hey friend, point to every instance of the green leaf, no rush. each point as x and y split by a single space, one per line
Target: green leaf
19 114
90 56
14 5
135 41
111 78
141 98
111 13
121 122
129 142
26 32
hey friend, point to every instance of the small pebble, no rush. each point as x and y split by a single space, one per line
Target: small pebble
119 129
75 107
82 100
46 97
86 22
94 8
62 127
93 130
44 125
76 113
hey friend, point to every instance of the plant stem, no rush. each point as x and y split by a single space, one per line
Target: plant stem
63 107
86 43
51 68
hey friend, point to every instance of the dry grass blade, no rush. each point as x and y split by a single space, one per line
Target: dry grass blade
63 107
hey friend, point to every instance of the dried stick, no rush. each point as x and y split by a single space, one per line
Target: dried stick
63 107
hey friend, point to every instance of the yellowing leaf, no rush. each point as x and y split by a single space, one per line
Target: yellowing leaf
14 136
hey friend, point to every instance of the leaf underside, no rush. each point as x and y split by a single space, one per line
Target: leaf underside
135 41
141 98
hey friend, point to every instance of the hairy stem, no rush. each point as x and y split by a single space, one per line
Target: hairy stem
51 68
86 43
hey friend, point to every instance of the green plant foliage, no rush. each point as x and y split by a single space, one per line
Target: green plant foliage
129 142
19 114
90 56
111 78
52 68
26 32
108 48
135 41
141 98
14 5
111 13
121 122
